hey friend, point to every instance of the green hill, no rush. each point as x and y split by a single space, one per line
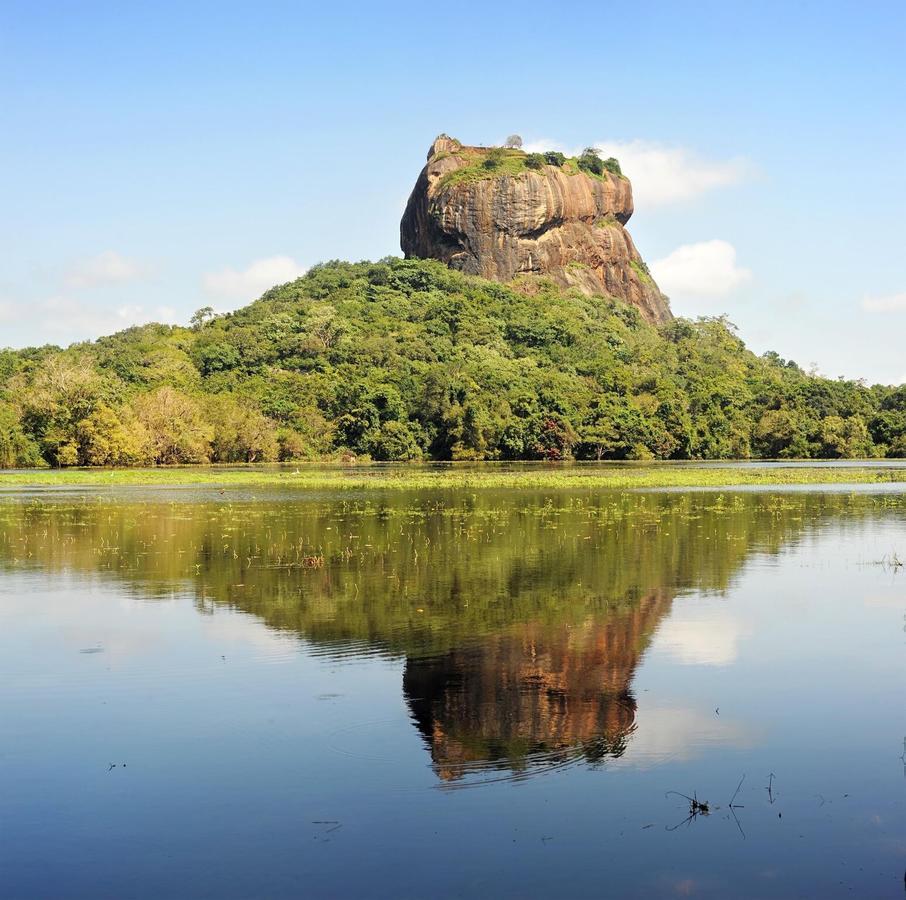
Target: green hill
408 359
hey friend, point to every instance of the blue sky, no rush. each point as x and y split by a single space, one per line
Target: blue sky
158 158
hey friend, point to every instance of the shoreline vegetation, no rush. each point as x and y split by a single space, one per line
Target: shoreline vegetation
467 477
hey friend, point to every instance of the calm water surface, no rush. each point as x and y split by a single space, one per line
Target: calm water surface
432 695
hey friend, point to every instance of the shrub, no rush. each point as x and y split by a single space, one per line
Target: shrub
494 158
16 447
640 267
105 438
240 433
291 446
535 160
394 440
590 161
215 356
175 425
554 158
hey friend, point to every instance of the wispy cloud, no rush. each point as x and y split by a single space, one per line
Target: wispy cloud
81 308
105 268
75 320
705 269
884 304
248 283
662 174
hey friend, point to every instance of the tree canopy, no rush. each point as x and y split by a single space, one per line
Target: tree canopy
407 359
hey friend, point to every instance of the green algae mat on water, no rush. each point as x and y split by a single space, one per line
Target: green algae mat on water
473 477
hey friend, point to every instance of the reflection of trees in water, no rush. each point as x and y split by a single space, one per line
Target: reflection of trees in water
522 617
410 575
534 695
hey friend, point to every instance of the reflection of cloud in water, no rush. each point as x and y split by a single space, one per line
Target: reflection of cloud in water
85 617
126 629
674 733
242 629
700 633
894 600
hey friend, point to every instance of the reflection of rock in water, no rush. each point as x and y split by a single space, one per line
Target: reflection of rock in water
534 696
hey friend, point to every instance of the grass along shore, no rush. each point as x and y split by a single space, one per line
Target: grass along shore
471 477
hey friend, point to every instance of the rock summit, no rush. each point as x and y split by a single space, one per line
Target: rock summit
508 215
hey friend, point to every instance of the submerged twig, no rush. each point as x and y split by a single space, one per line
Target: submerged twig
703 808
738 786
696 808
734 806
890 561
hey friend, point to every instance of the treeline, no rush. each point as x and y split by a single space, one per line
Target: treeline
401 360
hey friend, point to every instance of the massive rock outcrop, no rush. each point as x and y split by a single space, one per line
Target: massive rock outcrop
486 212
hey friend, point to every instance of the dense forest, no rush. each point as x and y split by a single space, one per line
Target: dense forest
406 359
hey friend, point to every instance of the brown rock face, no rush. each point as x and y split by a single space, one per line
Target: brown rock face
510 221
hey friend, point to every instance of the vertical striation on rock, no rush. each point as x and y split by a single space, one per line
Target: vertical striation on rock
488 212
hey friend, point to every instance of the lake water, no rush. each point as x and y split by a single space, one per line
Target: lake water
441 695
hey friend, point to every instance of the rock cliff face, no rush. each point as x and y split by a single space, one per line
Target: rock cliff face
488 213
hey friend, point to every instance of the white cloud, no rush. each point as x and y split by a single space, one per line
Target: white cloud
661 174
253 280
705 269
77 320
76 312
544 144
889 303
105 268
